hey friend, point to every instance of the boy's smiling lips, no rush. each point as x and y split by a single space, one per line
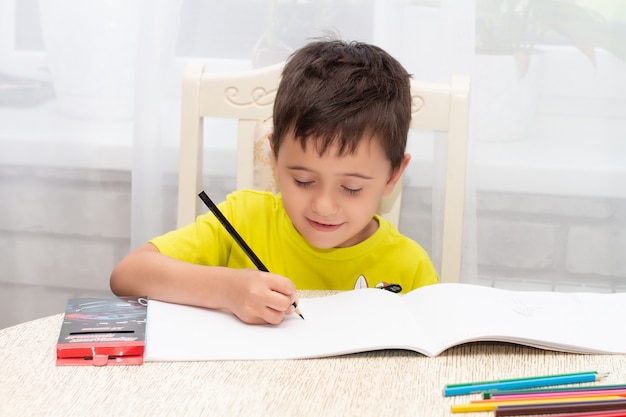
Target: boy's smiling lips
323 227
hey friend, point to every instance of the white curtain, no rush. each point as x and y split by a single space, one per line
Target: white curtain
89 114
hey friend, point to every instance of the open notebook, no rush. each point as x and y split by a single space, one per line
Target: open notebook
428 320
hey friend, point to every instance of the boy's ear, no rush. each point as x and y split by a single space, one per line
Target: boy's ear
269 138
396 175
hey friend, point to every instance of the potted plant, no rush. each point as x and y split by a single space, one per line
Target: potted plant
507 57
514 27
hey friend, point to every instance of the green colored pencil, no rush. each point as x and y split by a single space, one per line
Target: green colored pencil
488 395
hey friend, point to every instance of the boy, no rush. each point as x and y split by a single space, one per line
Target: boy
341 119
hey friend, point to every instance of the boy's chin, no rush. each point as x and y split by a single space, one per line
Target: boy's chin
321 243
326 243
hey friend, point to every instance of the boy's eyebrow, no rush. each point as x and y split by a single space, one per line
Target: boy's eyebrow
345 174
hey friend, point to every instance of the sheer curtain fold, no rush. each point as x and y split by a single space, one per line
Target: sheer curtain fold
157 36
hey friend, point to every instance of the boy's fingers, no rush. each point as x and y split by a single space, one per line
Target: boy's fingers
274 297
282 285
284 291
279 302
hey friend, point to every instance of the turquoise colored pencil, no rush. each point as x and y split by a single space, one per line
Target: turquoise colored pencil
523 383
463 384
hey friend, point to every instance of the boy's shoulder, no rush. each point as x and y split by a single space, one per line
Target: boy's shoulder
253 201
252 196
397 239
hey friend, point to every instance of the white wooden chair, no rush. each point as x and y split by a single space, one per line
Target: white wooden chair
249 95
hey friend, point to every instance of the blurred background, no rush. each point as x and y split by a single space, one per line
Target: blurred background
90 108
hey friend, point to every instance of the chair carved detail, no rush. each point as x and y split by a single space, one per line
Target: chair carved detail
417 104
258 96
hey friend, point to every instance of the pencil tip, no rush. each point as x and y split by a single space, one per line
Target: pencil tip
297 310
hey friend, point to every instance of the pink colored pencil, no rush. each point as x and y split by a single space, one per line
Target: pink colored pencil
591 414
564 409
562 394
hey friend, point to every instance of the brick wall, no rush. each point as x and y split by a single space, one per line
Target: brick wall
553 243
61 231
538 242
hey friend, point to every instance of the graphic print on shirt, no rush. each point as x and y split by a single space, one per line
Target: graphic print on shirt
361 282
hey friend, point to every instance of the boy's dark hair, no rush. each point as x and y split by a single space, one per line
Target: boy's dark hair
335 92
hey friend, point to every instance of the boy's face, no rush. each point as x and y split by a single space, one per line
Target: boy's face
332 199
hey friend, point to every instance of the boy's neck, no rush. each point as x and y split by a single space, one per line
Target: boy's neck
367 232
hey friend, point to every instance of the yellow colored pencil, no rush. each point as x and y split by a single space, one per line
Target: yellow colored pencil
490 405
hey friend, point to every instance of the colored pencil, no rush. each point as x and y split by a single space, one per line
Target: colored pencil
590 397
463 384
555 408
610 413
488 405
606 387
579 388
237 237
561 394
524 383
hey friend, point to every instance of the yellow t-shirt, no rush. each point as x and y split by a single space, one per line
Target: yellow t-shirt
261 220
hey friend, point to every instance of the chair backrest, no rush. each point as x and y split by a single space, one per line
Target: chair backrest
249 95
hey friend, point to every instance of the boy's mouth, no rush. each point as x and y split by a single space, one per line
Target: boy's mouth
323 227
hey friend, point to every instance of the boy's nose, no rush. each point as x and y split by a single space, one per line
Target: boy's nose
324 204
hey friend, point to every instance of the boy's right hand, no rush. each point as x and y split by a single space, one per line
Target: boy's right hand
258 297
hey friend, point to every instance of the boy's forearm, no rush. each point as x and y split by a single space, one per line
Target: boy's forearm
147 272
254 296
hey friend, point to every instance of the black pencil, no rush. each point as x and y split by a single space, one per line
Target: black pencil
237 237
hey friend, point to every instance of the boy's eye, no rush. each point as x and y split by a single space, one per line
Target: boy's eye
303 184
306 184
352 191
